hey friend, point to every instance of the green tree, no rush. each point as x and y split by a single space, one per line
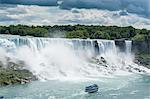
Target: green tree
139 37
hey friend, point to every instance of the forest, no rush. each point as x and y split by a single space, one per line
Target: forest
78 31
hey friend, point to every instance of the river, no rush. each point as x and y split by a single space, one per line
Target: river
66 66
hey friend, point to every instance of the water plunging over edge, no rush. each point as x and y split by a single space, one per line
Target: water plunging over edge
57 58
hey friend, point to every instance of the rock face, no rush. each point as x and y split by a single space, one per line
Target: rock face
143 59
137 46
96 48
15 74
10 76
120 43
141 47
142 52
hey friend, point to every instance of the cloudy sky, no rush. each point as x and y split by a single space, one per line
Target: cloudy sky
95 12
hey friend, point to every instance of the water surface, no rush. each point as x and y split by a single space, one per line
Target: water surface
127 87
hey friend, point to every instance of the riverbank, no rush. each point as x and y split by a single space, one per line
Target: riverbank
141 49
143 59
9 76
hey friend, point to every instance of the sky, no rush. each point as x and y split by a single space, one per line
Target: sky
89 12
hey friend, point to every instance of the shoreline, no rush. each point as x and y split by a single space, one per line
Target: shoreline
9 76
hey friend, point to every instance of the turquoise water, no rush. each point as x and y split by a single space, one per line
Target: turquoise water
124 87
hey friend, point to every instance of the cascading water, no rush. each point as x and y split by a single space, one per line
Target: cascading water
56 58
128 47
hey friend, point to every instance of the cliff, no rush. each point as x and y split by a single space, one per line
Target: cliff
142 52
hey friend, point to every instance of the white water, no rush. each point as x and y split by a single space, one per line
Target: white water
55 58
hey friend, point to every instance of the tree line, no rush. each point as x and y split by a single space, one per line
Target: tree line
78 31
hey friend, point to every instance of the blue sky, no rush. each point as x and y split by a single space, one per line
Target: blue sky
96 12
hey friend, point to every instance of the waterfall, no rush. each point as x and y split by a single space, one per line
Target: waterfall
128 47
57 58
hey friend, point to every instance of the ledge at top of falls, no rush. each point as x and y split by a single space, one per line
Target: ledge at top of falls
98 44
18 36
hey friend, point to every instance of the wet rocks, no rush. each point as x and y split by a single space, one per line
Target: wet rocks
100 61
15 74
103 60
143 59
120 43
96 47
141 47
10 76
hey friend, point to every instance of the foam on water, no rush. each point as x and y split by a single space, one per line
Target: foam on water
55 58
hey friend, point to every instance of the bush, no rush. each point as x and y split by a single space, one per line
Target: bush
139 37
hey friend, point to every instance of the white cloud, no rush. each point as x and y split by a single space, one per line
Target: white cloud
139 7
105 17
37 15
